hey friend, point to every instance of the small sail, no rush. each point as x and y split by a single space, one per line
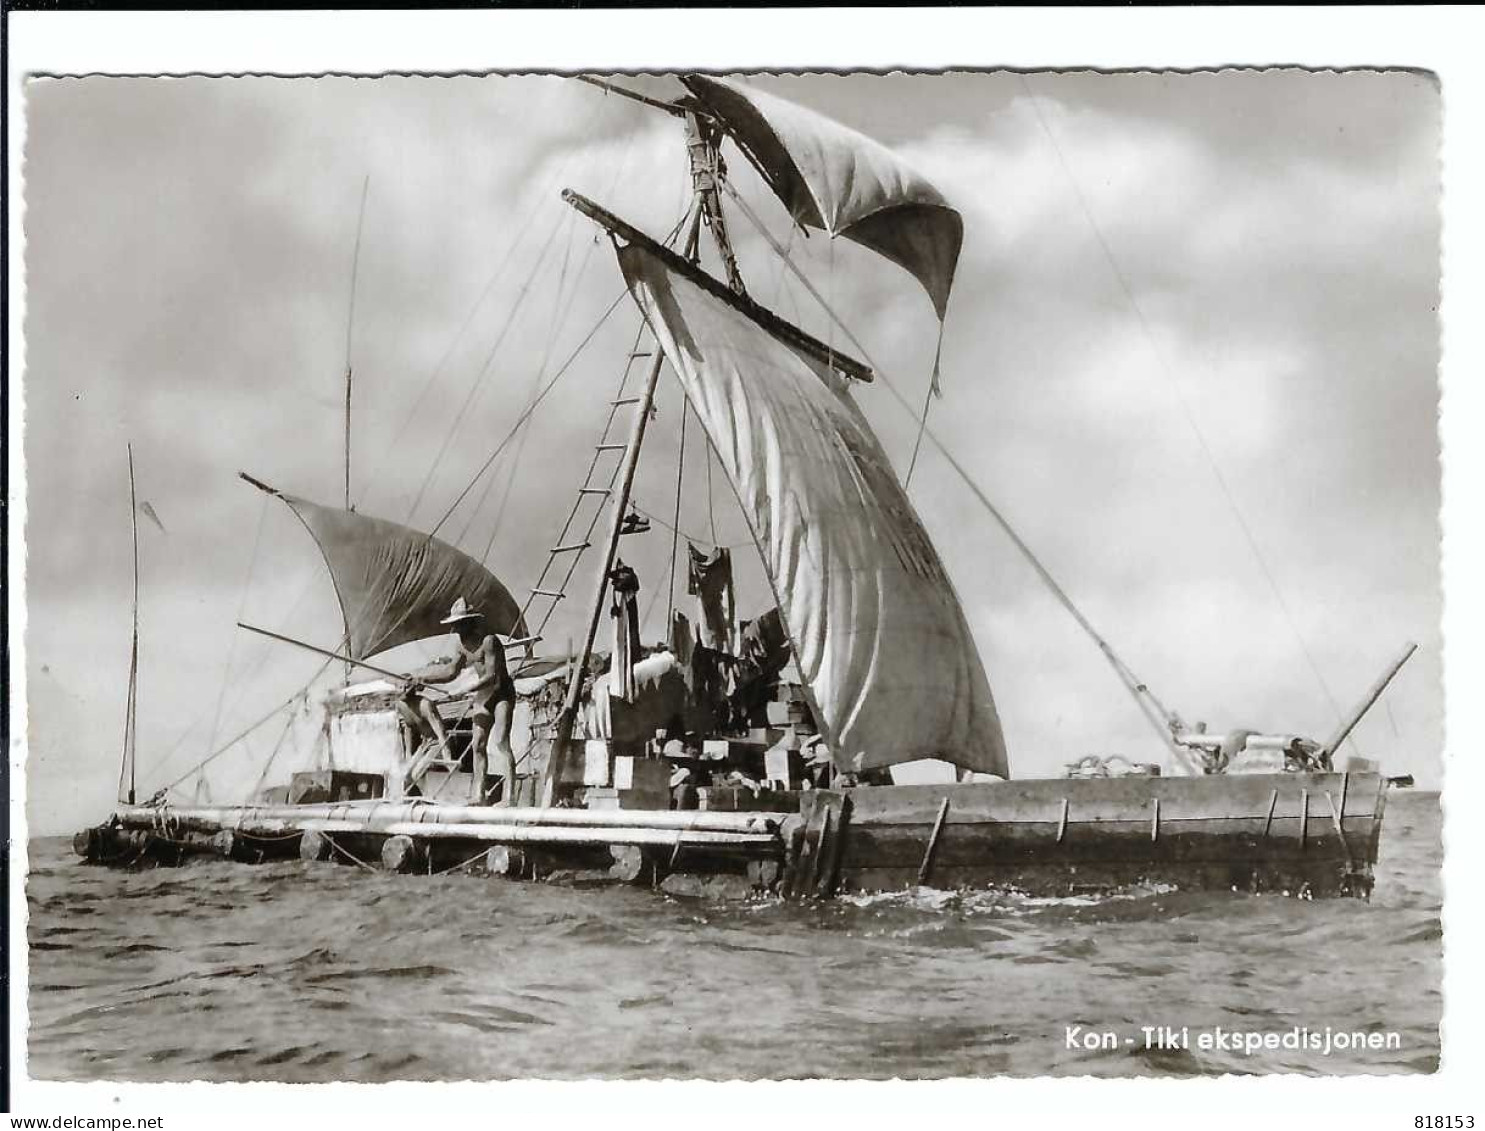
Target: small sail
877 631
833 178
149 513
396 584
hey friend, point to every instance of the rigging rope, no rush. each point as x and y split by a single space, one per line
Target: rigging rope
217 753
535 384
695 538
575 559
1126 674
484 369
928 395
541 372
540 198
532 408
1170 378
546 389
521 231
560 319
277 746
241 610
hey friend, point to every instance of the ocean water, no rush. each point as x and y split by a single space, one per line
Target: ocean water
302 972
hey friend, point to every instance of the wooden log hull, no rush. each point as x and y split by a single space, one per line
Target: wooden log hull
1305 834
1311 834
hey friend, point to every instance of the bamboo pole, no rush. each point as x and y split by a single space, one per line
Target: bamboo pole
335 656
131 721
505 833
361 813
1349 723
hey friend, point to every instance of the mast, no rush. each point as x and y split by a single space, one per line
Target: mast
562 739
708 173
130 709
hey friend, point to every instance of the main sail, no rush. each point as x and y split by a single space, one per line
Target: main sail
840 181
878 633
394 583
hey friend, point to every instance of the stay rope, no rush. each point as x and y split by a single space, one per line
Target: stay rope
1170 379
1126 675
535 385
233 741
484 370
241 610
523 228
560 317
532 407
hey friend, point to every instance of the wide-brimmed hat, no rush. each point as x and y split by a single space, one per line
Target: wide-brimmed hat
460 611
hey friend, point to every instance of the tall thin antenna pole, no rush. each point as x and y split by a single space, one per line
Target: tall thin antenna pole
350 324
130 710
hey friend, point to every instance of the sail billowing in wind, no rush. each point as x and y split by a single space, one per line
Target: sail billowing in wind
396 584
840 181
877 630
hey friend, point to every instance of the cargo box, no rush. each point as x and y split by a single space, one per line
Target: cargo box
319 786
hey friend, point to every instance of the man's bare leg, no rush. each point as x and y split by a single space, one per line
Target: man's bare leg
505 758
435 724
479 760
414 723
429 724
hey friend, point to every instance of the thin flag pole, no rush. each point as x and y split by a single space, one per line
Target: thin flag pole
350 324
131 709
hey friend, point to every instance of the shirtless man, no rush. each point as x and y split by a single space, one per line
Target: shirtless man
492 696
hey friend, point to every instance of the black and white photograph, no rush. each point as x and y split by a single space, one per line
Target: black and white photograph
754 574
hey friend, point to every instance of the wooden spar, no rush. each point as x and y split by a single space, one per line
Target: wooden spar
1348 724
634 95
568 718
131 708
285 815
336 656
784 330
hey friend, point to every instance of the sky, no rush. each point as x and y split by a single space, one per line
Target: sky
1191 354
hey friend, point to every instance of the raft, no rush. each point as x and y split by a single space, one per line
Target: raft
1301 834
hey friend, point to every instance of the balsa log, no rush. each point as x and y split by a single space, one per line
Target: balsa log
139 816
402 854
314 846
